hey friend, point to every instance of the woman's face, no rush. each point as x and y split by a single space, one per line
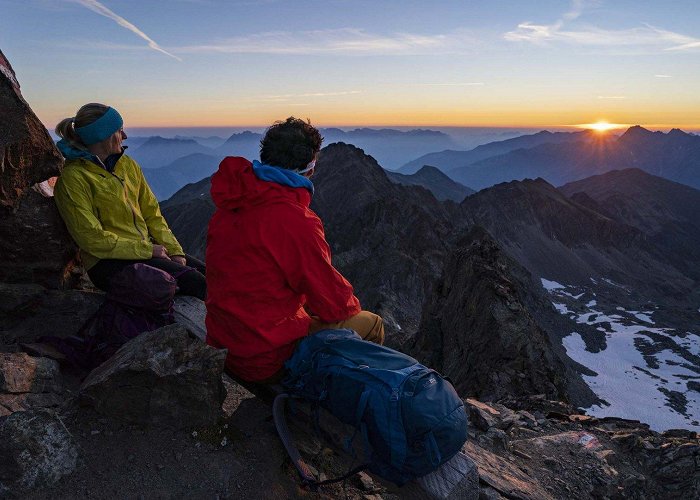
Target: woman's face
114 143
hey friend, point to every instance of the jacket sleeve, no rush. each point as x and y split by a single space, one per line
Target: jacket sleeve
150 210
305 259
74 200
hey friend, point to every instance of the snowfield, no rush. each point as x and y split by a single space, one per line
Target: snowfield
644 372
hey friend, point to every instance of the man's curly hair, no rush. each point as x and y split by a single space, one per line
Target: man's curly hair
290 144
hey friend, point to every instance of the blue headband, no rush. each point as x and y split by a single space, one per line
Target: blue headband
102 128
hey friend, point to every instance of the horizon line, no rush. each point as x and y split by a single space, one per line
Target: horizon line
417 126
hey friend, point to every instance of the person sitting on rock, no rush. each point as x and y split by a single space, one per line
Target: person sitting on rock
108 207
270 279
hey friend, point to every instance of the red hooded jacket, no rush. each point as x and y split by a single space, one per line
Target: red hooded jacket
268 262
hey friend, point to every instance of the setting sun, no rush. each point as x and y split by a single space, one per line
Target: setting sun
602 126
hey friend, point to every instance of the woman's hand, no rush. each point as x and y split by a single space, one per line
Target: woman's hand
179 259
159 252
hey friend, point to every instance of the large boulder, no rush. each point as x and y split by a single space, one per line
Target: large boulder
166 377
36 450
34 244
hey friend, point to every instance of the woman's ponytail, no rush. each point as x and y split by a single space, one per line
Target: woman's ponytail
85 116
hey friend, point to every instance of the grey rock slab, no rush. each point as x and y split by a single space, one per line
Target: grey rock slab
36 450
191 312
166 377
457 478
504 477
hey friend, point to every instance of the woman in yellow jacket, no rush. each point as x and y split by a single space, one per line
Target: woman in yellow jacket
108 207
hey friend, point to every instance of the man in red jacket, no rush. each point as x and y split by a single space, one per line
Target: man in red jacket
270 280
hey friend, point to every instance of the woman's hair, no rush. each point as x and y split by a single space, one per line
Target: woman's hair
85 116
290 144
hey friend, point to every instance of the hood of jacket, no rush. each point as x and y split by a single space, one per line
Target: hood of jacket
240 184
70 152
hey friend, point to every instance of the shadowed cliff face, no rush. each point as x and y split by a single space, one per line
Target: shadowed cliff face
34 244
668 213
557 238
188 213
389 240
479 329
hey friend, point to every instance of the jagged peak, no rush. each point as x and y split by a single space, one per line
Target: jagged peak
636 132
676 132
431 170
349 157
242 135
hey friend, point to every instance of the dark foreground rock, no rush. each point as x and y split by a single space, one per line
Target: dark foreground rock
29 312
162 378
34 244
27 382
36 450
547 450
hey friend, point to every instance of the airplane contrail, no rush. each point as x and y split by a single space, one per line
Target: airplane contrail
96 6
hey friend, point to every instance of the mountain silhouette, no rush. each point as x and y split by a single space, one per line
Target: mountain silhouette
442 187
158 151
167 180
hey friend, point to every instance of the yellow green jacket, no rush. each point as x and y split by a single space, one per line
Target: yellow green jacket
110 215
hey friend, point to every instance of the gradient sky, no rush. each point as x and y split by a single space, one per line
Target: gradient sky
360 62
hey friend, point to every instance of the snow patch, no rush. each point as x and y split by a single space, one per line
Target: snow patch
629 381
551 285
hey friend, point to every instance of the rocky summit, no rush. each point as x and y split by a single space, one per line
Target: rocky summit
469 288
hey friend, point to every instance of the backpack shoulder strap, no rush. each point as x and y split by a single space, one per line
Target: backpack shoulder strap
301 466
286 438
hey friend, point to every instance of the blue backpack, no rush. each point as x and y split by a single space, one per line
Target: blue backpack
411 418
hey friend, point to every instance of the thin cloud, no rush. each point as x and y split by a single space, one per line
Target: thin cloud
641 36
530 32
686 46
465 84
663 76
612 97
287 97
97 7
345 41
644 35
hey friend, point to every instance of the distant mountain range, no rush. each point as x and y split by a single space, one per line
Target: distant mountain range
449 160
158 151
565 157
442 187
459 278
167 180
181 160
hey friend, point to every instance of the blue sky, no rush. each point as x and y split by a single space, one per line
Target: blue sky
482 63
